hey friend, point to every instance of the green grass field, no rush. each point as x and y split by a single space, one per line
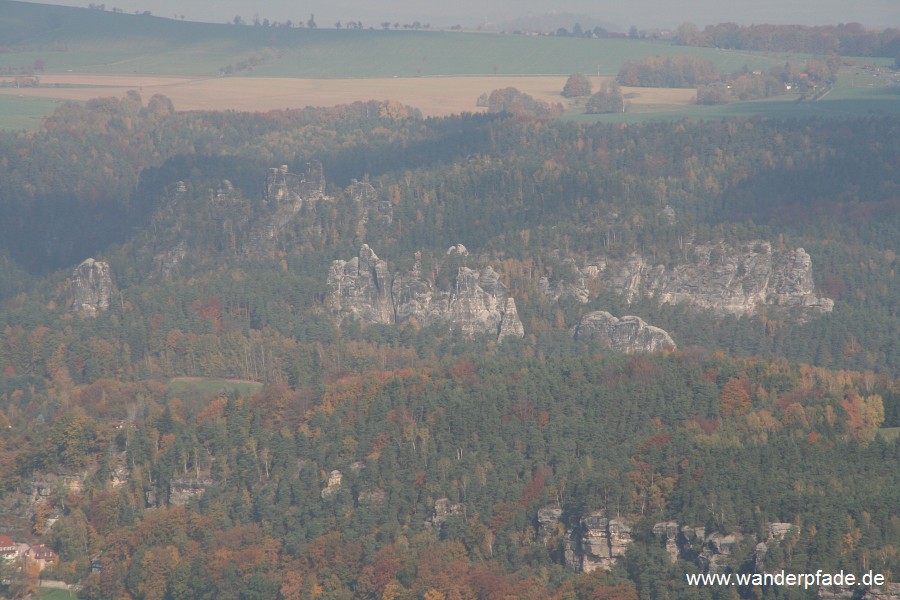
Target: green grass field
358 54
55 594
24 113
93 41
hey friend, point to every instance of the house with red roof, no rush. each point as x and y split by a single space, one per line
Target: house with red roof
41 556
9 550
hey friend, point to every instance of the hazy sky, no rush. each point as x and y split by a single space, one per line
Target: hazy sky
642 13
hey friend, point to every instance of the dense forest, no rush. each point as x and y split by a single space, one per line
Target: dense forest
316 457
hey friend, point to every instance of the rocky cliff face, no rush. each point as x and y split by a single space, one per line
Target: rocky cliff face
475 302
603 541
597 542
289 196
361 287
667 533
628 334
368 203
510 325
92 287
726 279
281 185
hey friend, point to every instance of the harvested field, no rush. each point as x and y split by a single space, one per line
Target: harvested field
434 96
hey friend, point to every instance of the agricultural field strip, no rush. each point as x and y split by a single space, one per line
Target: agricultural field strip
434 96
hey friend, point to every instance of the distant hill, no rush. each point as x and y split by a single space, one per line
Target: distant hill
550 22
85 40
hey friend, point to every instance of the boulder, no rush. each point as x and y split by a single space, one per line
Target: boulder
628 334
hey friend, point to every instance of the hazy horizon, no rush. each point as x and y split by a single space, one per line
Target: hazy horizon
644 14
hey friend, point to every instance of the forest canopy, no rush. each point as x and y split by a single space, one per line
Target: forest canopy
214 429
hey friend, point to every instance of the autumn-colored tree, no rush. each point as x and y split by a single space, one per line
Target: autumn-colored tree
608 100
864 415
577 85
734 400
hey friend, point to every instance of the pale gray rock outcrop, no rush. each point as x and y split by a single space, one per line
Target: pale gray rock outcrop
476 301
282 185
361 287
628 334
578 287
444 509
289 197
333 485
369 204
182 491
412 294
742 280
166 262
92 287
732 280
510 325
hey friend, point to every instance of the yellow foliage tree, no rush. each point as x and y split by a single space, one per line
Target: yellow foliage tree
734 400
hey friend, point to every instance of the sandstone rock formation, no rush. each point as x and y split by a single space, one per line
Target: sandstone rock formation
288 196
333 485
361 287
667 533
510 325
628 334
281 185
577 287
182 491
368 203
777 532
742 279
475 301
719 548
597 542
603 541
443 509
92 287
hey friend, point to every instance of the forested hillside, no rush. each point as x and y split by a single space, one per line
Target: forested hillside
399 446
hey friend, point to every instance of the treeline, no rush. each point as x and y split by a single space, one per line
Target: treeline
849 39
512 101
714 87
668 71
